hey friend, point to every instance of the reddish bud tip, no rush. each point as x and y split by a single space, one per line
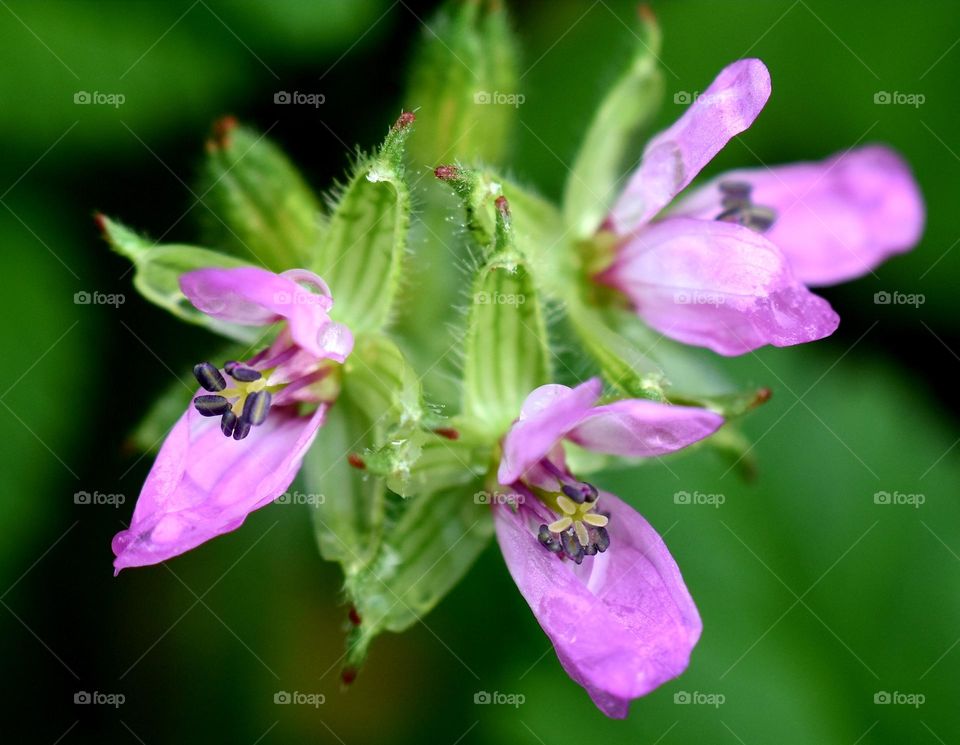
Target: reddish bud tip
348 675
354 616
446 173
763 395
101 221
406 119
646 13
356 461
503 206
222 129
449 432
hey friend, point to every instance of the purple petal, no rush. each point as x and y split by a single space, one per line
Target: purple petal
674 157
622 623
257 297
717 285
639 428
836 219
547 415
203 484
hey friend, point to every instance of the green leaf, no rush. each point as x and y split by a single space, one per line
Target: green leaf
157 270
429 544
362 251
259 206
464 84
507 350
628 108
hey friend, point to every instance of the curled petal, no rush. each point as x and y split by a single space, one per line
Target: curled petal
836 219
674 157
548 414
256 297
203 484
639 428
717 285
623 622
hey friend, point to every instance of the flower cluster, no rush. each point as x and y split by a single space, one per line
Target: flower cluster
725 265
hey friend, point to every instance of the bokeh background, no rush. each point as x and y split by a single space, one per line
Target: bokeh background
816 599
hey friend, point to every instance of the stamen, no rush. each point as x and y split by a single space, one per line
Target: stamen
739 209
211 405
241 430
600 538
571 546
244 374
548 541
209 377
256 407
227 423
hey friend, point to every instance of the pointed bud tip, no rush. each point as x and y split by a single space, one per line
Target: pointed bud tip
101 222
348 675
405 120
763 395
646 14
446 173
356 461
449 432
221 131
354 616
503 206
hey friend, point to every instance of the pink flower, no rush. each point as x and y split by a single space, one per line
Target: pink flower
726 266
598 578
241 443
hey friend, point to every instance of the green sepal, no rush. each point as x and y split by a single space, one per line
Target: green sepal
362 251
463 75
428 461
157 270
258 205
507 349
627 109
429 544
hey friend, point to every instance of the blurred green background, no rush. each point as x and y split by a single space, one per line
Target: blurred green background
815 599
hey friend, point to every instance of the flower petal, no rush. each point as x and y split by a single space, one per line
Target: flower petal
638 428
836 219
257 297
622 623
674 157
717 285
203 484
547 415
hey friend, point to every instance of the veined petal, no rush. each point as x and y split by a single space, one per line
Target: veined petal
674 157
203 484
257 297
717 285
548 413
638 428
623 622
836 219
